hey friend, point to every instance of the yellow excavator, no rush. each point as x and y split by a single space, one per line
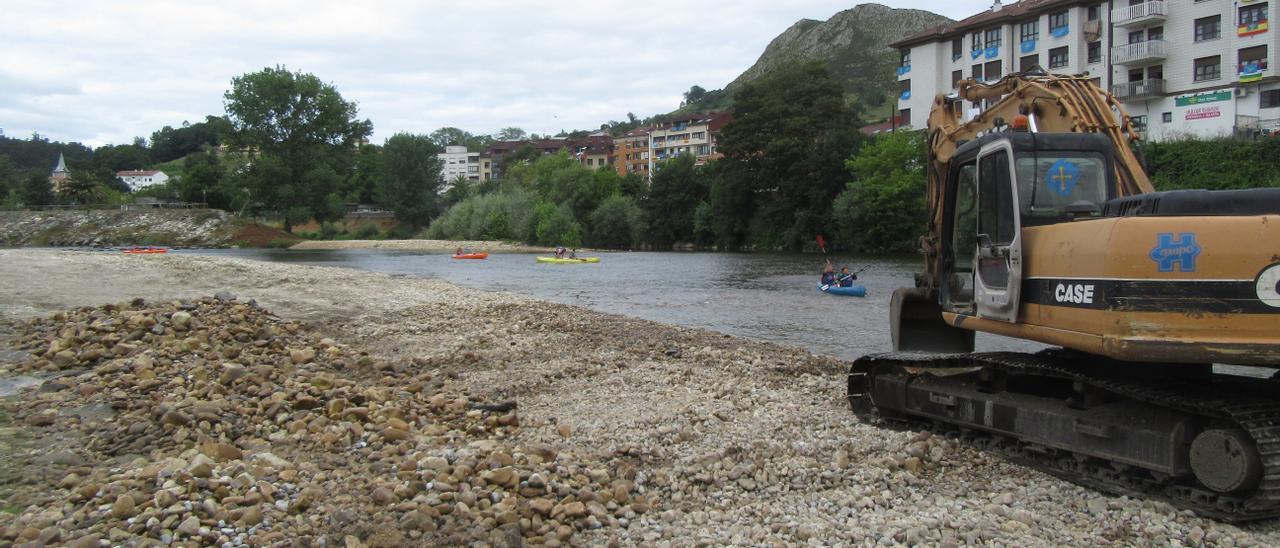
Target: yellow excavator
1044 226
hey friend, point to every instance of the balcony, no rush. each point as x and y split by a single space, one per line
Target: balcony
1138 90
1139 52
1132 16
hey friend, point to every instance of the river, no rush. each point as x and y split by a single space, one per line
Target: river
763 296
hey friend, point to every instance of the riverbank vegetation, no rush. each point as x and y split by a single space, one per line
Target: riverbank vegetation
791 167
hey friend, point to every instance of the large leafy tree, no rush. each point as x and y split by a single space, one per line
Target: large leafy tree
303 135
410 182
883 208
35 190
169 143
677 188
787 145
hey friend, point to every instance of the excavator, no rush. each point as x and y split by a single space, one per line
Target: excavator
1159 312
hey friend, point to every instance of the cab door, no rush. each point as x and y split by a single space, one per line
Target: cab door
999 254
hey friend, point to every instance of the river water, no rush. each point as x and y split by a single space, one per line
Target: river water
763 296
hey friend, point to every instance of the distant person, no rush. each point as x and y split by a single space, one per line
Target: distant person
846 278
559 252
574 253
829 274
458 251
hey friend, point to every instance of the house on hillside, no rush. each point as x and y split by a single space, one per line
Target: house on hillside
456 161
140 179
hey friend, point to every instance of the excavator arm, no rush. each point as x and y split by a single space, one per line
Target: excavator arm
1047 103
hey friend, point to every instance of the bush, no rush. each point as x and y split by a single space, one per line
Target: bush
618 224
506 215
556 226
883 208
1213 164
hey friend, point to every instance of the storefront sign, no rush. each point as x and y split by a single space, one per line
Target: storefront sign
1188 100
1200 113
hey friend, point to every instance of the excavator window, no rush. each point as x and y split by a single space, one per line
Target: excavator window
996 226
1050 181
964 237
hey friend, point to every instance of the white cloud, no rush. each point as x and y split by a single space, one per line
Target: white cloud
105 72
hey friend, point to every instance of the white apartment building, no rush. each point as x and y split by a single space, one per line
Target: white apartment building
694 134
458 162
1180 67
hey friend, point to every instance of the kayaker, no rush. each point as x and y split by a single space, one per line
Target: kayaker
458 251
559 252
828 274
846 278
573 254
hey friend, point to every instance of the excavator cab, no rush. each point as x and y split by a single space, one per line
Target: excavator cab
997 185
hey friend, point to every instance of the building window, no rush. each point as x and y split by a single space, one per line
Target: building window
1269 99
993 38
957 46
699 135
1208 28
1095 52
1029 31
1155 33
1253 19
1208 68
905 91
1139 123
1058 57
1029 62
977 73
1095 12
1252 61
956 76
906 58
1166 117
975 42
904 117
1058 23
992 70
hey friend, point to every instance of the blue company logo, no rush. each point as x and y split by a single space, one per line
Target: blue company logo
1181 252
1062 177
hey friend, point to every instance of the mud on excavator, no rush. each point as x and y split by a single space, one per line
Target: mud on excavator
1044 226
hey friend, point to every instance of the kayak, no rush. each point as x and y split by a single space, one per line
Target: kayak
851 291
481 255
553 260
137 250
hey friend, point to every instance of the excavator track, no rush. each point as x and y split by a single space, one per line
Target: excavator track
1236 419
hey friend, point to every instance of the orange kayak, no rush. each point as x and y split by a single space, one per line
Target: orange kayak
481 255
139 250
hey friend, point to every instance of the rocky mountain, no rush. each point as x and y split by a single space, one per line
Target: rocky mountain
854 46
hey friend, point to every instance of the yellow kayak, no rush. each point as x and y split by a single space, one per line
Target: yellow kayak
553 260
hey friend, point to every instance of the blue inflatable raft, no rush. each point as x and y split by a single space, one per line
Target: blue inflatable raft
854 290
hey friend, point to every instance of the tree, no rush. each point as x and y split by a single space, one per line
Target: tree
168 143
307 133
36 190
511 134
410 182
786 146
203 181
676 189
80 187
618 224
883 208
694 95
361 186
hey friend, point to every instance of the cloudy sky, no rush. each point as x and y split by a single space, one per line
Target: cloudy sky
107 71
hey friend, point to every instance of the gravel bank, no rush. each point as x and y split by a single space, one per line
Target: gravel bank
423 245
720 440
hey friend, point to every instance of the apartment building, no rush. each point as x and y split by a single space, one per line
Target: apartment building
458 162
632 150
694 134
594 151
1180 67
